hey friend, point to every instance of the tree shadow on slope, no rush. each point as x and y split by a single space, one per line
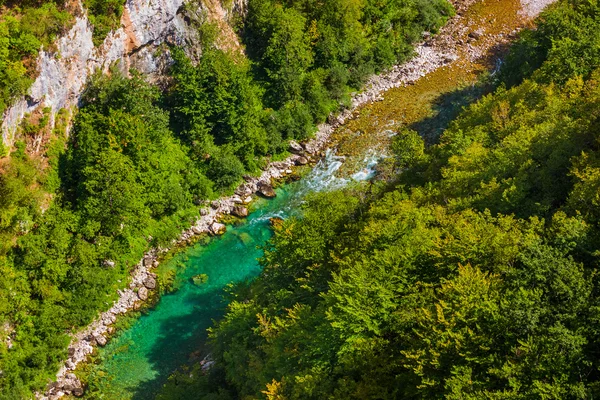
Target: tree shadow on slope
448 106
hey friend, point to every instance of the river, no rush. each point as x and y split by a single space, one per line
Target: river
138 360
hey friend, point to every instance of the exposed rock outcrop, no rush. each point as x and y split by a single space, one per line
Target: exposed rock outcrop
146 25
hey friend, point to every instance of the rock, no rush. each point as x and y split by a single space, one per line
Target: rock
237 199
77 392
108 263
266 190
101 340
203 212
148 261
207 365
149 282
68 386
295 147
215 204
301 161
475 35
248 200
196 230
240 211
143 293
217 228
108 318
199 279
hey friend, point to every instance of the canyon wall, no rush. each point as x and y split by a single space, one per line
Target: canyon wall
146 26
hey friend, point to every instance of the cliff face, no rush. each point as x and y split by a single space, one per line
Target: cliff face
146 25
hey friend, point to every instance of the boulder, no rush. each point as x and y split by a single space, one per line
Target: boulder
77 392
237 199
148 261
108 263
149 282
217 228
266 190
295 147
301 161
101 340
240 211
474 35
143 293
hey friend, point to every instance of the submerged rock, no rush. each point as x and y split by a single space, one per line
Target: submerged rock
199 279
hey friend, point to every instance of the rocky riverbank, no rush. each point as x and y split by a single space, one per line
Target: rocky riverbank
430 55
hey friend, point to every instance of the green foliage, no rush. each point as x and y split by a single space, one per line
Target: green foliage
123 179
218 113
565 44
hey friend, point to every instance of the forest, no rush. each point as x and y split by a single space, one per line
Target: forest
139 161
471 274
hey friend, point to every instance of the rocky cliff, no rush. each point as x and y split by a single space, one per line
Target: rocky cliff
146 26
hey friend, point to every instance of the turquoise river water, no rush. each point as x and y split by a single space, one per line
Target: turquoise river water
138 360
